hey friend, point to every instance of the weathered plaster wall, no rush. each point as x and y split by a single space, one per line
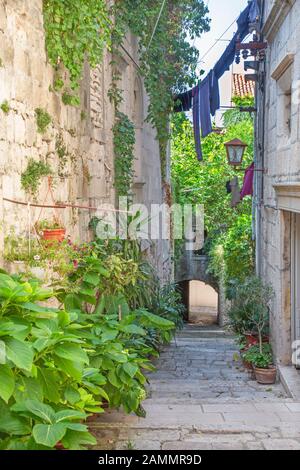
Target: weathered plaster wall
26 79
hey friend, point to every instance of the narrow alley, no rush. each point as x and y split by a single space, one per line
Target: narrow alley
201 398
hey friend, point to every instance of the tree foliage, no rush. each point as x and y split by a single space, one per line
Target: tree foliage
168 61
229 230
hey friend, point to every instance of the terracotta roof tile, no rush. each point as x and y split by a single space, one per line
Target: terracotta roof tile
240 87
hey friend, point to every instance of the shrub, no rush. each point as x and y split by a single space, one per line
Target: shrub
250 307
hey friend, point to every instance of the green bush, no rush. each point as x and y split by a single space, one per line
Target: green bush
262 359
250 308
58 365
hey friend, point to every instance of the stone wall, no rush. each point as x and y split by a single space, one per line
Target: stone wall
279 155
86 179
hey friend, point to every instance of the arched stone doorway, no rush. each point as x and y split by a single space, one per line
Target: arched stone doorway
203 304
201 301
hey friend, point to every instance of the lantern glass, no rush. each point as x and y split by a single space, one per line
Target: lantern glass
235 151
235 154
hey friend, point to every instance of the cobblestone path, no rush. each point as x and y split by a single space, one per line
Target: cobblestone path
201 398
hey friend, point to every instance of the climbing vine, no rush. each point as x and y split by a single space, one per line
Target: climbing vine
168 61
76 31
43 119
31 177
124 140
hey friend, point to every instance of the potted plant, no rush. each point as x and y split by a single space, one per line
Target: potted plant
51 230
249 313
262 362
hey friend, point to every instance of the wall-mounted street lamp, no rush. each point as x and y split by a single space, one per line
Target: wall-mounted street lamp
235 151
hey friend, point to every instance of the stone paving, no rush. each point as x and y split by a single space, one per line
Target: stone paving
201 398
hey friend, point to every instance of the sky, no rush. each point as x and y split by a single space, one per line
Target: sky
222 14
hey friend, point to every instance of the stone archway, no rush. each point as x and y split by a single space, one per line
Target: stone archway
192 267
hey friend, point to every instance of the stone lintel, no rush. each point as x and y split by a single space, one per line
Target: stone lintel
276 17
283 66
288 196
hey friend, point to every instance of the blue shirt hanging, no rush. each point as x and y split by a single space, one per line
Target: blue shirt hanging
205 119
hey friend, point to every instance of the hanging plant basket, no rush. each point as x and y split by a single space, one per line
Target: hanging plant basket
54 234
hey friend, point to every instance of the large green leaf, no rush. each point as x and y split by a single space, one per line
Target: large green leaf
12 424
43 312
37 409
72 302
71 368
75 440
19 352
133 329
72 395
48 434
7 382
157 321
91 278
72 352
50 384
28 388
66 415
2 352
113 379
130 368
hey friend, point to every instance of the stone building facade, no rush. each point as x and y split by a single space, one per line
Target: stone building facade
277 189
85 177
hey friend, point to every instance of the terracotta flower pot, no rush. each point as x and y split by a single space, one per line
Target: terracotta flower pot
266 376
56 234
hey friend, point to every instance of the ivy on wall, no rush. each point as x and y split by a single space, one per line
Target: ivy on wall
124 140
168 60
76 31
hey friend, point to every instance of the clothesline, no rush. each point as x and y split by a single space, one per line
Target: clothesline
204 98
64 206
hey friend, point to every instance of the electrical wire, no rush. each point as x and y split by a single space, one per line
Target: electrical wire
157 21
216 42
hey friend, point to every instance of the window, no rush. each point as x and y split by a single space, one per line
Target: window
284 107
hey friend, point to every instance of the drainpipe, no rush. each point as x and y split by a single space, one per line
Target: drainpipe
259 155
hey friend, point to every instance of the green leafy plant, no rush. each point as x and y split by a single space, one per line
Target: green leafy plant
250 309
261 358
43 119
70 99
5 107
90 20
63 154
49 224
124 140
31 177
168 61
39 356
57 366
58 84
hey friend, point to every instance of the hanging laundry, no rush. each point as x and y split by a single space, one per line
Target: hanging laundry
254 12
196 121
205 119
228 56
247 189
214 93
235 192
185 99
